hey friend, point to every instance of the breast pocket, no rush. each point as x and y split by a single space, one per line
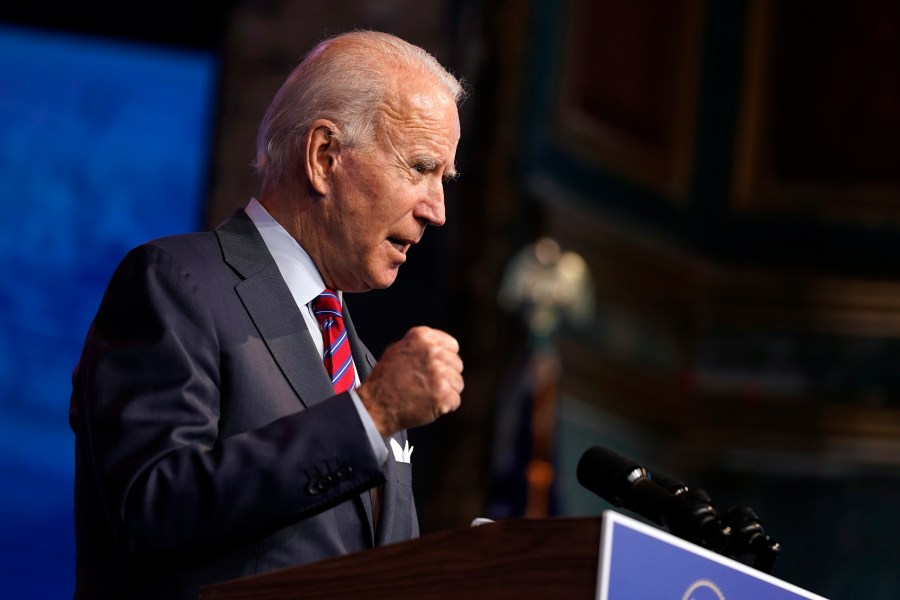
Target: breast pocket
400 455
403 473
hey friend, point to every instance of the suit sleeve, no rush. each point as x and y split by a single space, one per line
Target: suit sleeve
146 405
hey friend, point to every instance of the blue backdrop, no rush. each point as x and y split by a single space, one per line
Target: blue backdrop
103 145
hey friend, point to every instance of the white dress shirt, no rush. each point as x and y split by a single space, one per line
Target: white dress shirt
305 283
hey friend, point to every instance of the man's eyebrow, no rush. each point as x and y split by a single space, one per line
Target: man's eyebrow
431 163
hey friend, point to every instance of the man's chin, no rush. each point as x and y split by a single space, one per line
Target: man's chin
387 279
379 281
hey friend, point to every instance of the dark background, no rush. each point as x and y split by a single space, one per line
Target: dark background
730 171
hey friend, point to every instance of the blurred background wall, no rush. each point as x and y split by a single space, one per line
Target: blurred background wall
729 171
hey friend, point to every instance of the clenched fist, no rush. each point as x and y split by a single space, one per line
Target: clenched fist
418 379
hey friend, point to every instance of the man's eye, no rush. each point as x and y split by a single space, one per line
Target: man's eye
424 166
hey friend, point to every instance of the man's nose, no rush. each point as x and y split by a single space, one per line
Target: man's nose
431 209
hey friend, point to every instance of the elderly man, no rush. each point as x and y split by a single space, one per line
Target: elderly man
228 420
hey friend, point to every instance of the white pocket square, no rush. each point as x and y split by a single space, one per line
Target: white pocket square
401 454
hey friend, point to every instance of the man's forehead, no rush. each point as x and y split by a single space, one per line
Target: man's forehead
415 90
432 100
423 114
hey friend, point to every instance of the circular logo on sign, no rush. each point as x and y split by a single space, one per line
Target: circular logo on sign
703 589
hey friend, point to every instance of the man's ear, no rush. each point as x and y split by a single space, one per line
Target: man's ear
320 153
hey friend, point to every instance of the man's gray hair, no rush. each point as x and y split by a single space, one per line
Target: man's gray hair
344 79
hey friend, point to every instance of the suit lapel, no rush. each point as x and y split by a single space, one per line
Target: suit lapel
270 304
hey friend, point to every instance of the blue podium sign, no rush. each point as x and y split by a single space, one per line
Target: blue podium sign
639 562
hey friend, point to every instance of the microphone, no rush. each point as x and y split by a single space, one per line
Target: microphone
685 512
622 481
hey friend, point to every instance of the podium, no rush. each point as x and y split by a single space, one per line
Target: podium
613 557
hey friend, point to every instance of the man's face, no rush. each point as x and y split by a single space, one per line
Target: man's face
384 194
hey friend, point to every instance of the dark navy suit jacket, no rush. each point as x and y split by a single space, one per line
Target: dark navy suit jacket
210 444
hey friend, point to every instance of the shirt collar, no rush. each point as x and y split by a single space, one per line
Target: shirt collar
295 265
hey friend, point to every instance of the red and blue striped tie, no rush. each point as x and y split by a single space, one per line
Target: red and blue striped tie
337 358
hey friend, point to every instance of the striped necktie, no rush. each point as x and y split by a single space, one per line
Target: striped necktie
337 358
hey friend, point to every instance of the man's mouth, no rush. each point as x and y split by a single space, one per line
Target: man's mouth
401 245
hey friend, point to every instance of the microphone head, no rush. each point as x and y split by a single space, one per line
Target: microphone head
608 474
